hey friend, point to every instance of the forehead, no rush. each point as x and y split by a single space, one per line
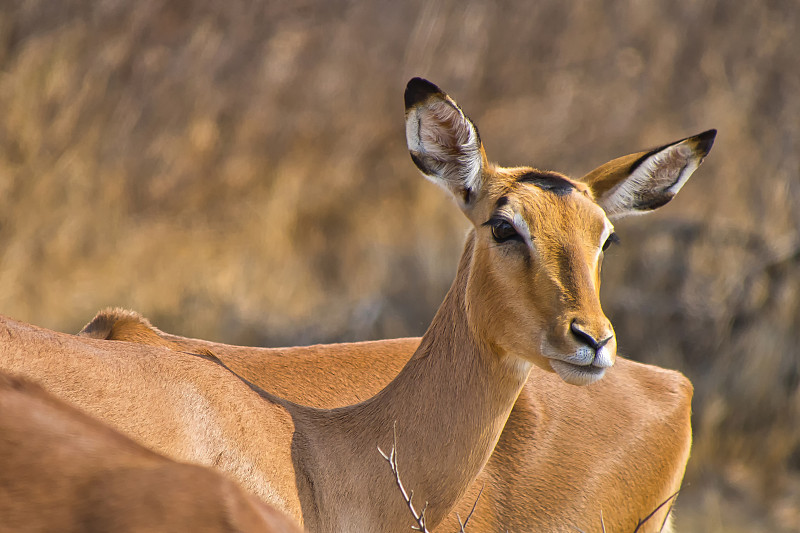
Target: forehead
549 200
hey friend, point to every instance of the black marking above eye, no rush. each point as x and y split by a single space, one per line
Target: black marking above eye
612 239
503 230
548 181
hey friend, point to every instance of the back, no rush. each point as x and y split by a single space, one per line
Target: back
560 455
188 408
63 470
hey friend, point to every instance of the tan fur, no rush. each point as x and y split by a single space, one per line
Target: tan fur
62 470
510 306
118 323
619 446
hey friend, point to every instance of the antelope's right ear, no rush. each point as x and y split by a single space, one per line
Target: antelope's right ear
443 142
644 181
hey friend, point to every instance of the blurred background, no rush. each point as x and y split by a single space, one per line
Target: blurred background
237 171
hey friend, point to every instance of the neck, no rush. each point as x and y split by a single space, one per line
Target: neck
449 405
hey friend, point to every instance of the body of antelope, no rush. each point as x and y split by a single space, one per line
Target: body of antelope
62 470
525 296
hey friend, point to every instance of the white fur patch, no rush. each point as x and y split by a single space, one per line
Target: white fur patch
575 375
688 170
519 367
524 230
608 229
603 358
412 131
440 135
664 172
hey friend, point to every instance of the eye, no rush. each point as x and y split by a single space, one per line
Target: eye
612 239
503 231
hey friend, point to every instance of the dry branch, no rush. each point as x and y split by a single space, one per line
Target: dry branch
419 517
670 500
391 458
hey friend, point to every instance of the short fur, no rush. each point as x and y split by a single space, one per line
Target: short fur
450 401
619 446
63 470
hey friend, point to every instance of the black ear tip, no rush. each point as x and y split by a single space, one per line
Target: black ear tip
710 134
418 90
705 140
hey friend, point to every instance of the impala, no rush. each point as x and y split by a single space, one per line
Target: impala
525 294
568 458
63 470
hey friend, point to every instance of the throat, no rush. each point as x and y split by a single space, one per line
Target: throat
449 405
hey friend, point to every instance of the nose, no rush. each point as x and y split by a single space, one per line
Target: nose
585 337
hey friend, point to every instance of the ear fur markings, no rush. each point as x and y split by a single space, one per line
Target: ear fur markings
667 170
644 181
703 142
418 90
444 144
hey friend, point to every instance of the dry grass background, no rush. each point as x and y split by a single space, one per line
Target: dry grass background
237 171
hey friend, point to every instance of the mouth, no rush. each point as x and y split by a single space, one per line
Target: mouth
577 374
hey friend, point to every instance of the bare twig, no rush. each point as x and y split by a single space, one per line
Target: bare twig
474 505
602 524
662 504
421 526
391 458
670 500
669 511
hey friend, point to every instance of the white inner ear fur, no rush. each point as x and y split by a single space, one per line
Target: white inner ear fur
664 173
438 130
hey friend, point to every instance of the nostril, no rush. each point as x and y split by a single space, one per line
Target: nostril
604 341
585 337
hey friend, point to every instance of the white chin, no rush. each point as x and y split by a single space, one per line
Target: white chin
575 374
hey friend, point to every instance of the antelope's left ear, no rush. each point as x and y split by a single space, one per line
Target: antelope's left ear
641 182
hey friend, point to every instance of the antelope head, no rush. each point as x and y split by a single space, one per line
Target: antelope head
538 240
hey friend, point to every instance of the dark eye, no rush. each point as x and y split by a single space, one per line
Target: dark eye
503 231
612 239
